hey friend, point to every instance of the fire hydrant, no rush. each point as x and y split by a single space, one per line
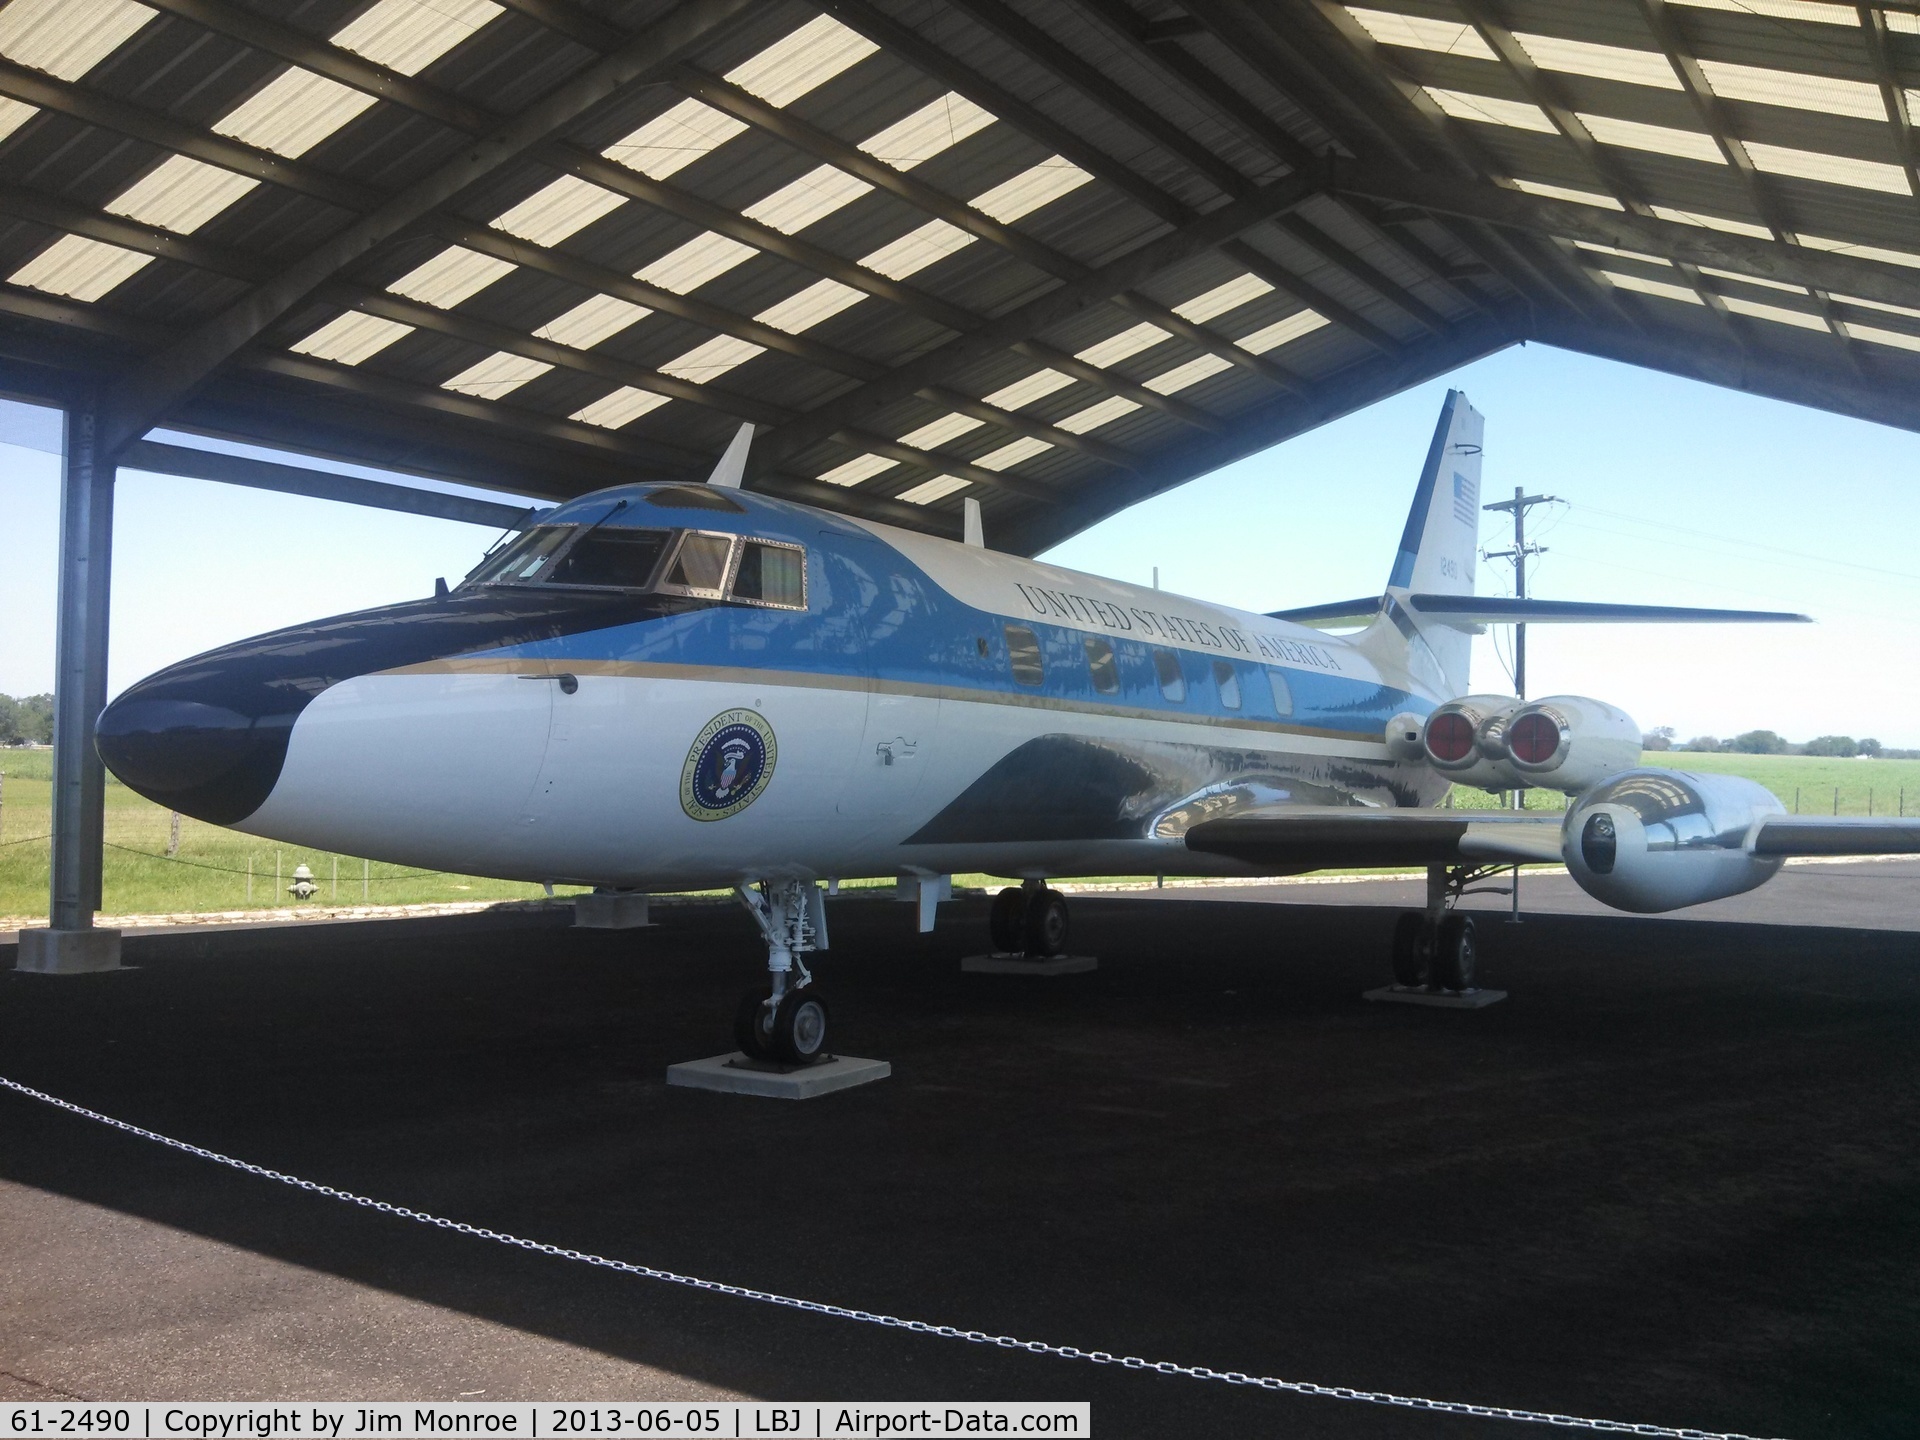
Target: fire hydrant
303 887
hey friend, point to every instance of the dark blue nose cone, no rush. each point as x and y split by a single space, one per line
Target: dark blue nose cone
206 760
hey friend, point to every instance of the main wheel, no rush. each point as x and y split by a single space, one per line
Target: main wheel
1453 959
1006 920
1409 958
753 1024
799 1027
1046 923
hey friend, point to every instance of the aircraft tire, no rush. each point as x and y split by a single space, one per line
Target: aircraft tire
1046 923
1006 921
1409 964
750 1030
1453 956
800 1027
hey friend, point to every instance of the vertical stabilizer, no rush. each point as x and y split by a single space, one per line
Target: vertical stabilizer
732 468
1440 545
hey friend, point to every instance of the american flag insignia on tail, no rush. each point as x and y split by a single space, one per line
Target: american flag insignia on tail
1466 500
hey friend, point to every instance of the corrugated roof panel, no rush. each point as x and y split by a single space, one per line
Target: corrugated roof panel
181 194
67 38
1222 298
1128 342
696 262
294 112
1191 373
861 467
1094 416
1779 315
1643 285
1490 110
927 132
1024 392
1418 32
1281 332
1659 139
710 361
622 407
1567 192
1796 91
1834 169
1007 456
928 491
78 267
816 194
352 337
1879 336
409 35
1029 190
938 432
1602 62
496 376
819 302
1815 12
1712 222
592 321
450 277
913 252
808 57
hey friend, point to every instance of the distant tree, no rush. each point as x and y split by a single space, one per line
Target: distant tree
1870 746
10 731
1841 746
1759 742
1705 743
1658 738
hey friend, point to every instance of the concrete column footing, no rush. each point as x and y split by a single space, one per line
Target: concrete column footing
69 952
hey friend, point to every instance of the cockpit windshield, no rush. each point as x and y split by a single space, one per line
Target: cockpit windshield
521 560
705 564
622 558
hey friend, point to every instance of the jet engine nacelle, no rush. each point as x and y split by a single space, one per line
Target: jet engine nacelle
1464 740
1568 742
1652 840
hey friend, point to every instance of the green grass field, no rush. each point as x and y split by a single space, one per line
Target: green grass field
209 872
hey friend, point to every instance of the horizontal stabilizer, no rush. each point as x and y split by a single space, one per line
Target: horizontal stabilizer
1846 835
1494 610
1304 837
1341 612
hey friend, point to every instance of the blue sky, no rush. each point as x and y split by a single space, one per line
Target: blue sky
1679 493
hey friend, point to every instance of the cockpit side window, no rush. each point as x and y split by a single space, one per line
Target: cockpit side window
771 573
621 559
523 559
700 567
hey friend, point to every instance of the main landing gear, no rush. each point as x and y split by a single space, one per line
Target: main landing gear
1029 920
1433 951
785 1021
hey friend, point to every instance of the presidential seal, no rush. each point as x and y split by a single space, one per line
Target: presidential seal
729 765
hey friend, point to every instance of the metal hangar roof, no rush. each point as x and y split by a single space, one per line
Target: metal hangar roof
1057 255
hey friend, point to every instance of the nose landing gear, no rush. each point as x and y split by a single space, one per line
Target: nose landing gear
786 1020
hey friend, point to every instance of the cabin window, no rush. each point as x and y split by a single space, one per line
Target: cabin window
1282 692
622 559
1106 675
1173 684
1228 684
522 559
772 574
701 566
1023 654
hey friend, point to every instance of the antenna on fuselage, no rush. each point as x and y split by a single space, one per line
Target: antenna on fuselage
973 533
733 464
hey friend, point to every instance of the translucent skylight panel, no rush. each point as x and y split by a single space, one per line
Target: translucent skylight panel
1114 349
1595 246
409 35
1798 92
1660 139
1030 189
1094 416
927 491
938 432
1222 298
1866 252
1024 392
450 277
816 194
1191 373
818 303
674 140
1569 194
1025 448
1879 305
861 467
1834 169
1749 279
352 337
1603 62
1760 310
1416 32
495 376
1712 222
1809 10
710 361
556 211
78 267
917 249
1491 111
180 194
1883 337
67 38
622 407
805 58
1281 332
1641 284
293 112
696 262
14 114
928 131
591 321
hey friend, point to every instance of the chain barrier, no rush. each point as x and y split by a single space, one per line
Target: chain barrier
894 1322
236 870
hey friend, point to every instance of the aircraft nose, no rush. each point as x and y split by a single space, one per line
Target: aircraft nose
193 754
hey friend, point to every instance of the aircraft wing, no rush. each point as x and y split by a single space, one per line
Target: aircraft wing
1315 837
1846 835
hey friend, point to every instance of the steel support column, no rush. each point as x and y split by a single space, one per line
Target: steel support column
71 944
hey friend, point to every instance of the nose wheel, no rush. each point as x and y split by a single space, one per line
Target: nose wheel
785 1021
788 1030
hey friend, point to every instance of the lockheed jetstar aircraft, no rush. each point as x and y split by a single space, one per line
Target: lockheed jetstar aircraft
667 686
